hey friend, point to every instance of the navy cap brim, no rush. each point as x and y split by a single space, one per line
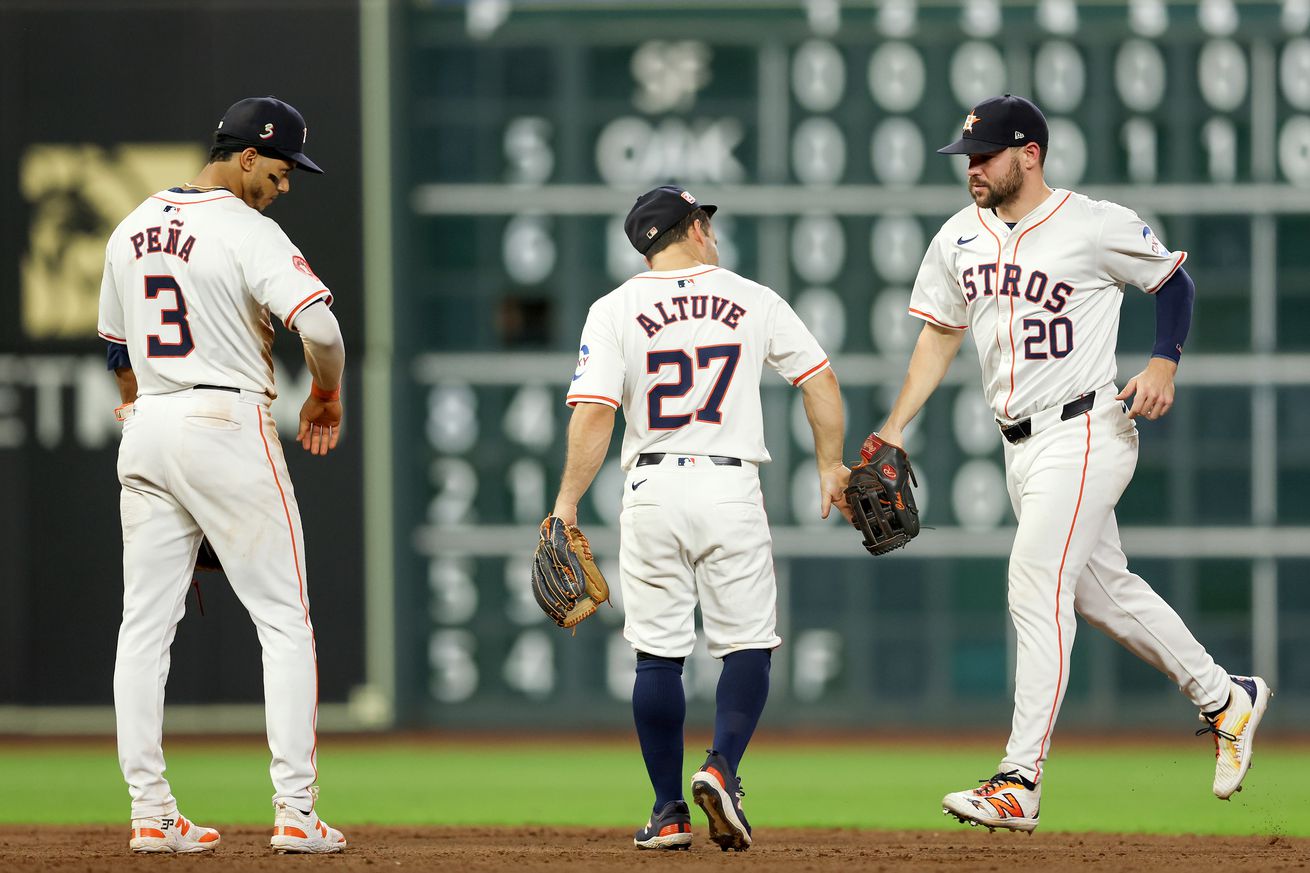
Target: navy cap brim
300 159
303 162
965 146
709 210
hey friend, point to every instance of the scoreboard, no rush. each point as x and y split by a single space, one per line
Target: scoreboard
524 131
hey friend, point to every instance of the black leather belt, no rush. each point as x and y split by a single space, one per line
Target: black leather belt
649 458
1021 430
219 388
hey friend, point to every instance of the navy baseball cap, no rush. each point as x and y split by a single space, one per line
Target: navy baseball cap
266 123
658 210
1000 123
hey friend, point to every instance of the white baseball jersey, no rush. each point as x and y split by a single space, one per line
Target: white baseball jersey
681 352
1042 298
190 279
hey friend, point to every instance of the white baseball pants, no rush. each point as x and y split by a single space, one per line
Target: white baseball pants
692 532
204 462
1064 483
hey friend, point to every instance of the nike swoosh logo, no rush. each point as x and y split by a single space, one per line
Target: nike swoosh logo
962 241
636 485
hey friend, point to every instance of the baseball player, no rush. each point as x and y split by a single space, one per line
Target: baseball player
191 277
1038 275
681 348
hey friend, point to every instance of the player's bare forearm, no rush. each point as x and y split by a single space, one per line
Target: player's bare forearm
823 407
827 415
126 378
933 353
1152 389
590 430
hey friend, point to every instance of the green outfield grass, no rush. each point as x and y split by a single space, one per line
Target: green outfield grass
876 785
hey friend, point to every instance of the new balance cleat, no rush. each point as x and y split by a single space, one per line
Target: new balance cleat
1007 800
1233 728
717 790
670 828
303 833
171 834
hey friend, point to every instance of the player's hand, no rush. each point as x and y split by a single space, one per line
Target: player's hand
832 490
320 425
1152 389
567 513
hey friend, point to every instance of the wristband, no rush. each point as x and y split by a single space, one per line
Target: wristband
326 396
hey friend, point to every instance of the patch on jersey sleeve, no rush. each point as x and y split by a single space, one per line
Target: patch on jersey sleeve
584 355
1153 241
303 266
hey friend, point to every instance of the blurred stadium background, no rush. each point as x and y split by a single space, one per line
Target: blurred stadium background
480 157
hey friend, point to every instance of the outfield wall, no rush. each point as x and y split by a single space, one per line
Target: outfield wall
480 157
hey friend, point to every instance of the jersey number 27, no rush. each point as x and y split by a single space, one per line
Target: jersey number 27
709 413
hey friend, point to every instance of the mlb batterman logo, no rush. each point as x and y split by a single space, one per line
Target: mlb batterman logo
686 195
653 232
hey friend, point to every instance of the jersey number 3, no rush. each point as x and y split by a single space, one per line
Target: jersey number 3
155 347
709 413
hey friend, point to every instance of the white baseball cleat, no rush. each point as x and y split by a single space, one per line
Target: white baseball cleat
1233 728
1007 800
296 832
171 834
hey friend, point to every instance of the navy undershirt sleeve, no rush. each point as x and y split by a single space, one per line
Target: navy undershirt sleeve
1173 315
116 357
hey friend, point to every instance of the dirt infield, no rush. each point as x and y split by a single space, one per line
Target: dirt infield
76 849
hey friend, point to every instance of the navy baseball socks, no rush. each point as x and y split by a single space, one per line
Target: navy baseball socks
659 708
742 691
743 688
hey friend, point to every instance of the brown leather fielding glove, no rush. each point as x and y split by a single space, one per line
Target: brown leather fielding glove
565 579
882 504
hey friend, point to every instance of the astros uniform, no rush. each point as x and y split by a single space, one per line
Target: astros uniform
1042 299
681 352
190 280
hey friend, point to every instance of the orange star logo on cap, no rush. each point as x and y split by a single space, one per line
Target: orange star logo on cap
968 122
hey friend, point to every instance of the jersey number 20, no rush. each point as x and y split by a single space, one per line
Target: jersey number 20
709 413
1053 339
155 347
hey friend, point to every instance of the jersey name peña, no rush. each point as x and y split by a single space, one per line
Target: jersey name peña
147 242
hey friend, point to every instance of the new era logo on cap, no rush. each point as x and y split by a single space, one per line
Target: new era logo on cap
658 210
266 123
998 123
